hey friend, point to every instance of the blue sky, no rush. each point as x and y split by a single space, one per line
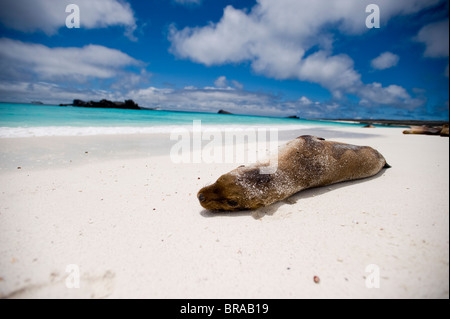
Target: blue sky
314 59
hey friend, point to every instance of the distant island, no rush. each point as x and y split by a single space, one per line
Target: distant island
105 104
224 112
390 122
229 113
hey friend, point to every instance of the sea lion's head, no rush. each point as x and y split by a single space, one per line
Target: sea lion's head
226 194
236 191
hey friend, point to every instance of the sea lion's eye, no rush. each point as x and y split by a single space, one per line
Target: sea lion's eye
232 203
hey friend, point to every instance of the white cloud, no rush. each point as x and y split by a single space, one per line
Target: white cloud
274 37
49 16
393 95
22 91
384 61
221 82
237 84
305 101
211 100
336 73
278 33
215 44
435 37
245 102
21 60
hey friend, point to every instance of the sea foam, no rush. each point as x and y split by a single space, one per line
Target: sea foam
40 131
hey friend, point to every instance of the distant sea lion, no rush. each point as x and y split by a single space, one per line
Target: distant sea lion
423 130
303 163
444 131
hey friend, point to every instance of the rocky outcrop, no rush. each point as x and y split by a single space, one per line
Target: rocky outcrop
223 112
105 104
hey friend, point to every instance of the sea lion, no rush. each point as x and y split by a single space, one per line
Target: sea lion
303 163
444 131
424 130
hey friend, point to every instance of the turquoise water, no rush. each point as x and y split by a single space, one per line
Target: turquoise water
35 120
28 115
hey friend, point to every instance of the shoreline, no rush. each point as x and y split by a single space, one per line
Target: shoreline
362 122
128 217
63 150
384 122
77 131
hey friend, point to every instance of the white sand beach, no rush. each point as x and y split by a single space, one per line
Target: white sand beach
128 218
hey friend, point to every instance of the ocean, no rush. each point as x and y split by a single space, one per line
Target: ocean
28 120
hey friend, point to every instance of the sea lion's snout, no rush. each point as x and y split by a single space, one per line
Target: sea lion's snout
223 195
206 197
201 197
